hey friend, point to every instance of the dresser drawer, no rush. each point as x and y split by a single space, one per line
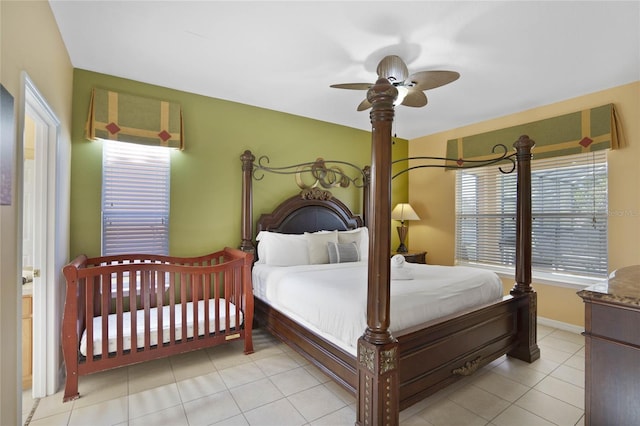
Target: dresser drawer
615 323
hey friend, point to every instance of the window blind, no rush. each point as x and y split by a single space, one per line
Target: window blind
135 199
569 212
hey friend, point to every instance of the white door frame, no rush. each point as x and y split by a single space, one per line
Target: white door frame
46 288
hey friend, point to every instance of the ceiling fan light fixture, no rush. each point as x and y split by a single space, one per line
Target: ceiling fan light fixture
402 93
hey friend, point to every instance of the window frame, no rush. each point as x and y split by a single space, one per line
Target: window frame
120 157
141 208
494 194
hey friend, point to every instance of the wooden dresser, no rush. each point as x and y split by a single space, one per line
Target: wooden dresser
612 349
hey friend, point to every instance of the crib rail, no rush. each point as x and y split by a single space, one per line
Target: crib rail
152 306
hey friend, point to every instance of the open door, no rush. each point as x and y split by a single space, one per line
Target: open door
28 248
41 240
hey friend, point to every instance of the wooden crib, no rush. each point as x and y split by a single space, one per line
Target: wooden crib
179 305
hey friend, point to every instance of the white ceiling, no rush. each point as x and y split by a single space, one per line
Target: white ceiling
283 56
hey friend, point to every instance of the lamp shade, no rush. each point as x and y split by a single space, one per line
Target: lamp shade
404 211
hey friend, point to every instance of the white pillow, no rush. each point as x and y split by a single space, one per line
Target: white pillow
360 236
262 248
277 249
317 245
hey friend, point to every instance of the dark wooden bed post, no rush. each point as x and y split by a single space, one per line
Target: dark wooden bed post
246 244
377 362
528 349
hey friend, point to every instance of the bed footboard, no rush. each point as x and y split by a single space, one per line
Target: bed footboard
431 356
122 310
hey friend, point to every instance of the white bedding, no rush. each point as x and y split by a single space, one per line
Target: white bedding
153 320
331 299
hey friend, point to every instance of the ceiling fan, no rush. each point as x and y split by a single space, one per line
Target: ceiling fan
410 87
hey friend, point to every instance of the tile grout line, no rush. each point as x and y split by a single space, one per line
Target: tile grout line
32 412
304 366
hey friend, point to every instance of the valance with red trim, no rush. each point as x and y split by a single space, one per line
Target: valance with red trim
582 131
128 118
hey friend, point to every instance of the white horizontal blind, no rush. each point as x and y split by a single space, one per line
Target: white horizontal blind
569 209
135 199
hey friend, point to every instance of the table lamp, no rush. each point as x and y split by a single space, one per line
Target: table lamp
402 212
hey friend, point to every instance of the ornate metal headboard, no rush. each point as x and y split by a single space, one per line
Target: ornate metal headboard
313 209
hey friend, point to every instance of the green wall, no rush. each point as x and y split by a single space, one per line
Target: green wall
206 177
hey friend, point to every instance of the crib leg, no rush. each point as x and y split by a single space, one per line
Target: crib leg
70 356
248 341
71 387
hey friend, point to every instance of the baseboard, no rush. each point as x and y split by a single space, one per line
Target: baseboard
560 325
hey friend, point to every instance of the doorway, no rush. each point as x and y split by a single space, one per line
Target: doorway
40 241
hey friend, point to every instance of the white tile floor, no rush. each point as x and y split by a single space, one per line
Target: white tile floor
275 386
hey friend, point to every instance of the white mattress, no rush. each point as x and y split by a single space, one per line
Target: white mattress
331 300
153 324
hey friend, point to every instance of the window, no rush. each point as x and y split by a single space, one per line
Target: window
569 210
135 199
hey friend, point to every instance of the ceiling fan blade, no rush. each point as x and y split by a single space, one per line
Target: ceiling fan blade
425 80
392 68
364 105
412 86
352 86
415 98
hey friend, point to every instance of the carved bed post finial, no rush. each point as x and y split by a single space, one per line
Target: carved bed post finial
247 159
377 361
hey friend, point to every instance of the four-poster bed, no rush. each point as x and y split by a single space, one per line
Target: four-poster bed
390 372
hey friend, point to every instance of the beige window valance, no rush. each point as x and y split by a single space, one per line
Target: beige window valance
128 118
582 131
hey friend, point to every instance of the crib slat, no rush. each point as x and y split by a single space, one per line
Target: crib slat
144 298
104 314
183 304
89 298
219 295
160 305
206 297
237 295
152 287
233 299
228 282
228 294
195 284
119 313
133 308
172 308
